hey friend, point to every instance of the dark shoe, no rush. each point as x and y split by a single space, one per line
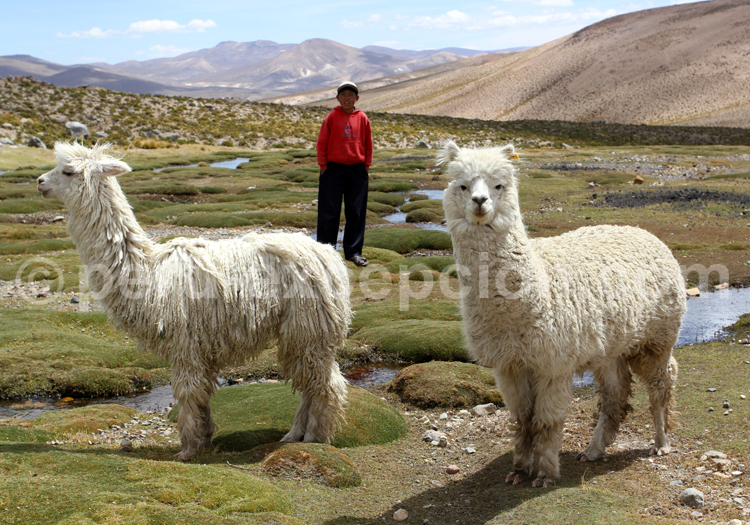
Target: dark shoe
358 260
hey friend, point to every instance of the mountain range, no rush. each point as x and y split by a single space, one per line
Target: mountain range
686 64
250 70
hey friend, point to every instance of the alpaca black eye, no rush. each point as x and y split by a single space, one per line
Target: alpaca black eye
69 173
463 187
499 187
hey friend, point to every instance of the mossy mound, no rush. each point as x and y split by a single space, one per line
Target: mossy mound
392 199
230 220
380 255
252 415
321 463
385 312
85 419
448 385
221 489
417 341
421 204
424 215
405 240
391 185
380 208
29 205
419 264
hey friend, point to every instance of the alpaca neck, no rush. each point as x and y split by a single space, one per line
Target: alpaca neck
111 243
503 268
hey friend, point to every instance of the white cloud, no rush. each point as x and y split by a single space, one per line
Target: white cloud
348 24
169 26
393 27
94 32
387 43
450 20
375 18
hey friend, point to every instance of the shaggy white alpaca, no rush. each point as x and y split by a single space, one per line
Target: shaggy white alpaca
605 298
203 305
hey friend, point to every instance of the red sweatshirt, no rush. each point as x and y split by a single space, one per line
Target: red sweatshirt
345 138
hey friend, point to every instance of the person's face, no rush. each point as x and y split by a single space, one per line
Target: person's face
347 98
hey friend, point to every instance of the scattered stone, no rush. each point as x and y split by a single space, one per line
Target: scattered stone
443 416
692 498
713 454
126 446
77 129
5 141
710 409
710 390
421 144
734 522
101 134
484 410
470 450
443 442
638 180
400 515
722 465
75 300
57 219
693 292
726 403
675 483
722 286
742 396
433 436
36 142
7 125
453 469
696 514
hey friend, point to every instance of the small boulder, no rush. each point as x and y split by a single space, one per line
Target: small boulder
36 142
422 144
101 134
77 129
126 446
484 410
400 515
453 469
692 498
5 141
693 292
638 180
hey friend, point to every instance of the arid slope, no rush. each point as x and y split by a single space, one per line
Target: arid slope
687 64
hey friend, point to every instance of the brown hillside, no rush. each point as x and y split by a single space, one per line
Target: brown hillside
686 64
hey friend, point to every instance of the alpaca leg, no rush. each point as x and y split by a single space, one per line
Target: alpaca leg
519 398
658 370
614 392
552 401
323 391
297 433
194 422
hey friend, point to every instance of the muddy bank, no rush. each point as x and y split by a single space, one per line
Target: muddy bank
693 196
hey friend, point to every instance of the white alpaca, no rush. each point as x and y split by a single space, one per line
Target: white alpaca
604 298
202 304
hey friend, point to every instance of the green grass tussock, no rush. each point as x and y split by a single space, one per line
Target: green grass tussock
405 240
446 385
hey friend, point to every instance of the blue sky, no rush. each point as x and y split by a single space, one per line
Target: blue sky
108 31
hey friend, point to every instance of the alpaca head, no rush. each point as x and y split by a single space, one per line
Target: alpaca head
483 190
80 174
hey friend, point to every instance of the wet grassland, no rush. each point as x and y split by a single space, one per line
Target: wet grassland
65 466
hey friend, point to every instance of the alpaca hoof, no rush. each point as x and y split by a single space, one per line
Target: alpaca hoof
293 437
515 477
184 456
543 482
582 457
660 451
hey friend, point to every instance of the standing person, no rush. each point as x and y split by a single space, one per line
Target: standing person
344 155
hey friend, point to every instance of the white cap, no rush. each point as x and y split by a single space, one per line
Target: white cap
348 85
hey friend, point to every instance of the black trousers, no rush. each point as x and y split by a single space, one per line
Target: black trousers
351 183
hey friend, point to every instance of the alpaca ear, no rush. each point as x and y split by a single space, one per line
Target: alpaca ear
510 151
111 167
447 153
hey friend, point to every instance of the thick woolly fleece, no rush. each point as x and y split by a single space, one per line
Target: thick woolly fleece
608 299
207 304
